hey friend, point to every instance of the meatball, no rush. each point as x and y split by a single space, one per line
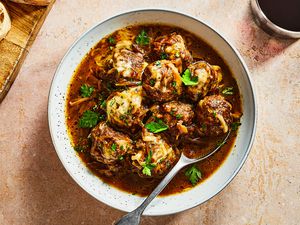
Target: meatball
214 115
109 146
153 156
176 115
162 81
172 47
124 109
208 76
129 65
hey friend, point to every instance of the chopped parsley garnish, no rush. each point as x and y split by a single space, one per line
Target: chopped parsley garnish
86 91
113 147
157 63
142 38
203 126
156 127
194 174
188 80
179 116
139 83
228 91
112 102
121 157
152 82
148 166
235 125
174 83
164 55
214 113
177 54
78 148
103 103
111 40
89 119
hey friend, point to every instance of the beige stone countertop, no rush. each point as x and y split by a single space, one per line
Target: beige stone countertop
35 189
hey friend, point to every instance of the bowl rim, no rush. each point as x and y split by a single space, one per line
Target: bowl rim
239 58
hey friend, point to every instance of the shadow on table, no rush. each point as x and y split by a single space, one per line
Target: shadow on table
256 45
52 196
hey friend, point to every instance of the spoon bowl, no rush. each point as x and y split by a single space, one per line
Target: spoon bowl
134 217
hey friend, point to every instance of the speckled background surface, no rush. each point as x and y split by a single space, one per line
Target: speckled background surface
36 189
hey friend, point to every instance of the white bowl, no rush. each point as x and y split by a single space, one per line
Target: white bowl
110 195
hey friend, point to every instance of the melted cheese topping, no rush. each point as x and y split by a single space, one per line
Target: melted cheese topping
160 149
125 103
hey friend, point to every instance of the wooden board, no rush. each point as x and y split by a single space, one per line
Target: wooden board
26 23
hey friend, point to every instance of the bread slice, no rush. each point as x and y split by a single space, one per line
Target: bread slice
33 2
5 23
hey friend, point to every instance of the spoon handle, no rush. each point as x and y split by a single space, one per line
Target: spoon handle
133 217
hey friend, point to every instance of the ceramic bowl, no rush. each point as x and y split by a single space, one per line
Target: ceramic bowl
126 201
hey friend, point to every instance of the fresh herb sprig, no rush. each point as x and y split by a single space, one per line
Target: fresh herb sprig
193 174
89 119
148 166
86 91
111 40
235 125
187 78
157 126
228 91
142 38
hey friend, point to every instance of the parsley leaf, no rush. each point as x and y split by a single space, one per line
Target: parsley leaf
103 103
194 174
214 113
235 125
164 55
157 63
89 119
188 80
78 148
111 40
147 169
86 91
148 166
156 127
142 38
228 91
113 147
179 116
152 82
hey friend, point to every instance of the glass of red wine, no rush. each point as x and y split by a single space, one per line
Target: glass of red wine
278 17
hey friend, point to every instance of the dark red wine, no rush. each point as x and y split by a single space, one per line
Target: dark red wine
283 13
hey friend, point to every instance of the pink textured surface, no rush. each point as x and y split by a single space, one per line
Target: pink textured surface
35 188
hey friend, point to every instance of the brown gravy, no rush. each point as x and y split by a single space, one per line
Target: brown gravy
131 182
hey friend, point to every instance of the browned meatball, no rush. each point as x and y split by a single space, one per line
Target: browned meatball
176 115
109 146
129 65
214 115
153 156
125 109
173 47
162 81
208 77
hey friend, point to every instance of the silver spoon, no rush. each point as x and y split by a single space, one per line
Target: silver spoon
134 217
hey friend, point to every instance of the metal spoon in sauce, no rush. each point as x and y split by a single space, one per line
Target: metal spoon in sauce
134 217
